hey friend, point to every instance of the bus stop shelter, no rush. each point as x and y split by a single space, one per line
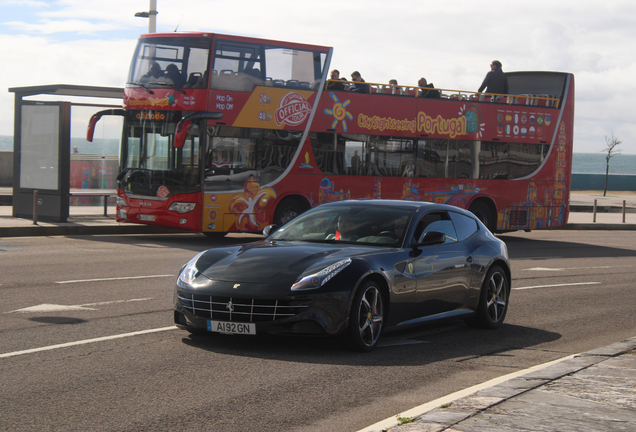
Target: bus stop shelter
42 148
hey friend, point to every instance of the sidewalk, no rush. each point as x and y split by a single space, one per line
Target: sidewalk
91 220
593 391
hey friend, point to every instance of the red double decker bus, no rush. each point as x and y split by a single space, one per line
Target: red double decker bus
229 134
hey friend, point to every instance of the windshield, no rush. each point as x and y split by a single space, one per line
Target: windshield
180 62
358 224
149 159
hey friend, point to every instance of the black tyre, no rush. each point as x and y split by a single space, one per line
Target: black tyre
367 318
287 210
485 214
493 300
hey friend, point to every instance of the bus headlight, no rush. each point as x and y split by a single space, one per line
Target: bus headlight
121 202
182 207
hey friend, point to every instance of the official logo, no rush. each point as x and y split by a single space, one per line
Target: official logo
229 306
236 286
292 110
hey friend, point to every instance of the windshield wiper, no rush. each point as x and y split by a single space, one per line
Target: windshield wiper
142 86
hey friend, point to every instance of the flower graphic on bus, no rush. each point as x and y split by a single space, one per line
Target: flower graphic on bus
339 112
249 206
473 119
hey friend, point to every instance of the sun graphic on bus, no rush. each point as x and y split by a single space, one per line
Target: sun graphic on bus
339 112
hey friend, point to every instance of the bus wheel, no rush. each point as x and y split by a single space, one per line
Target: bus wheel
288 209
484 214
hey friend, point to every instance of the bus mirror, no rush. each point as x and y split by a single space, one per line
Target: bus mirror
91 127
185 123
182 132
95 118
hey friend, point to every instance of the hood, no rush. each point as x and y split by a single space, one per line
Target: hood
267 262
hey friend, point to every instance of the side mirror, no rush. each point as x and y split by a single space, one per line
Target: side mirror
185 123
90 131
431 238
270 229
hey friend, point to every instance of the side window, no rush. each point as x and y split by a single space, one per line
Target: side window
436 221
465 225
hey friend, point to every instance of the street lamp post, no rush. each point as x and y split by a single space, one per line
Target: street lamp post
151 15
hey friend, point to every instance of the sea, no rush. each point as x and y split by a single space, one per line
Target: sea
582 163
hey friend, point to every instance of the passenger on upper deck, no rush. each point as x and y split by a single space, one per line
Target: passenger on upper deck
394 90
335 84
425 92
154 73
358 86
173 72
495 80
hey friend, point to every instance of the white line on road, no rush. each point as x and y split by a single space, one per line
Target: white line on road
112 279
557 285
572 268
46 307
86 341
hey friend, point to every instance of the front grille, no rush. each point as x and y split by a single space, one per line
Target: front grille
234 309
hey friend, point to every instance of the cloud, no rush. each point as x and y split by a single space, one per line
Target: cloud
449 43
67 26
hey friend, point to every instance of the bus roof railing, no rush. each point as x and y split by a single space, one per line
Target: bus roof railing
545 100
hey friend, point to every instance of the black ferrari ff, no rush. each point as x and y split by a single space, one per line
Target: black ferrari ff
353 269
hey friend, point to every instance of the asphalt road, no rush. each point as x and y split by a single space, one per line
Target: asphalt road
70 360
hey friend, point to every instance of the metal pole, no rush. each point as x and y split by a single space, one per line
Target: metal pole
152 18
35 207
623 211
594 219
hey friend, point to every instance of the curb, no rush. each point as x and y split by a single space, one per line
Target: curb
48 231
477 403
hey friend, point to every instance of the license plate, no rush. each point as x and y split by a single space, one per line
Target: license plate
147 217
231 328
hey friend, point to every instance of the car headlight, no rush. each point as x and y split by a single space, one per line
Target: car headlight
189 272
182 207
319 278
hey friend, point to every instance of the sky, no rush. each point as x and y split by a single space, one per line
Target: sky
449 42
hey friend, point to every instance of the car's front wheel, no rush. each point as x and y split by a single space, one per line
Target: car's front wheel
367 317
493 302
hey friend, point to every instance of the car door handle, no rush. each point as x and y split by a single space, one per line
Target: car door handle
469 259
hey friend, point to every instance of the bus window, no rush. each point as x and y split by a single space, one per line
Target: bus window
180 62
235 155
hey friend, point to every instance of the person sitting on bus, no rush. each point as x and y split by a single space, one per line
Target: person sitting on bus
335 82
357 86
394 90
426 90
495 80
173 72
154 73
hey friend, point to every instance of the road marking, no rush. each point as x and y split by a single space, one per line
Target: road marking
557 285
572 268
46 307
86 341
112 279
419 410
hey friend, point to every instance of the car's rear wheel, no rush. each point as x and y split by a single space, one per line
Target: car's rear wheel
493 301
367 317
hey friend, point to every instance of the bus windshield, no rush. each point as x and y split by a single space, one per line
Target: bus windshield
179 62
149 159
